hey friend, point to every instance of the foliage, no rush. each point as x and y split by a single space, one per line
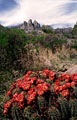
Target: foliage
74 44
37 49
59 42
47 29
52 42
42 95
34 39
74 31
11 43
67 35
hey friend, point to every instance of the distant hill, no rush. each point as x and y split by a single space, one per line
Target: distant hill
35 26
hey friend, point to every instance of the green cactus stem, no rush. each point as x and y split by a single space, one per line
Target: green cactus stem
73 107
54 113
17 114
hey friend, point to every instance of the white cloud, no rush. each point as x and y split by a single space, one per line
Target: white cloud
44 11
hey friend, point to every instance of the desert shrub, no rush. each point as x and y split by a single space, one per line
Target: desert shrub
74 44
3 39
11 42
47 29
74 31
59 42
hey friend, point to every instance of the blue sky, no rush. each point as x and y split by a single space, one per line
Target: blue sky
59 13
6 5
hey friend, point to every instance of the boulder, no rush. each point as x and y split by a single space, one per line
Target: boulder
72 70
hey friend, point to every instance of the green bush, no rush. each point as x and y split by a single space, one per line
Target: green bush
74 31
3 39
74 44
47 29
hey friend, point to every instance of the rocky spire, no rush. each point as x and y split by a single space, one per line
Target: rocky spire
36 24
30 26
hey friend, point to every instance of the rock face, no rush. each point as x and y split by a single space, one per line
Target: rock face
72 70
30 26
34 59
66 31
63 30
36 24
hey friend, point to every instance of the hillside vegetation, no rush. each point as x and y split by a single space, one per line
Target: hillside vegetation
20 52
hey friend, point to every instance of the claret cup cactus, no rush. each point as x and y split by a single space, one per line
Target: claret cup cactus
42 95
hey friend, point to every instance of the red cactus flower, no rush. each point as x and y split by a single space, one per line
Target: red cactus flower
51 78
31 97
30 91
33 79
40 92
39 86
4 111
18 81
68 85
72 84
64 86
58 79
29 72
15 95
46 70
74 77
56 88
21 104
67 78
45 74
8 93
13 85
39 81
42 88
64 75
60 88
21 97
26 85
7 105
27 78
45 88
58 83
65 93
51 73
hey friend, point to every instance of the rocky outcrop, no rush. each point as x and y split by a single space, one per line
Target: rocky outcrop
65 31
30 26
39 57
34 59
36 24
72 70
